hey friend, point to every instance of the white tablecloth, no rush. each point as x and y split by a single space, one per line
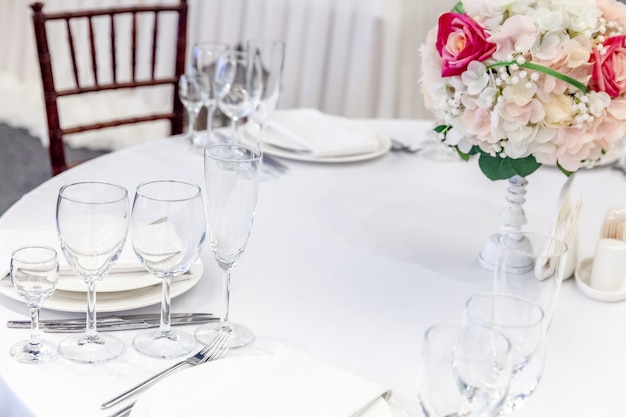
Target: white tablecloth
352 262
356 58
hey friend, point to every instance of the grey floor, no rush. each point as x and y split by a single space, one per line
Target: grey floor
24 163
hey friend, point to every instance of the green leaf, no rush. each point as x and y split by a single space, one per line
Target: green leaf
458 8
496 168
563 170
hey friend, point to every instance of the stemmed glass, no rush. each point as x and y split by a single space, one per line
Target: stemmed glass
34 275
92 223
231 174
204 58
271 54
521 321
465 369
192 90
168 230
238 85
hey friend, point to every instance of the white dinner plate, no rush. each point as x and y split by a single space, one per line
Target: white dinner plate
188 388
384 144
583 275
72 301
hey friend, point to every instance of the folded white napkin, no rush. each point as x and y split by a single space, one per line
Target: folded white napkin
14 239
309 130
287 384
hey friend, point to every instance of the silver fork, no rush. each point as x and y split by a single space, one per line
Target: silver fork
222 352
207 353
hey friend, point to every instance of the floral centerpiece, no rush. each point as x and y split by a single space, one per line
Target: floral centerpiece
528 82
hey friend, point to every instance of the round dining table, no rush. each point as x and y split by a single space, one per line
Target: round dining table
350 262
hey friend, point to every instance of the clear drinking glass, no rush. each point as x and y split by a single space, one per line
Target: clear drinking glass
521 321
530 265
238 84
168 230
92 224
271 54
192 89
204 57
465 369
231 174
34 275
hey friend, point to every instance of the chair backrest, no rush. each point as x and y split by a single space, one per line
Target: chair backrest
110 33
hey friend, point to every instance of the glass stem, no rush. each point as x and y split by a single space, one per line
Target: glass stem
210 111
193 116
91 310
166 307
233 128
34 327
225 301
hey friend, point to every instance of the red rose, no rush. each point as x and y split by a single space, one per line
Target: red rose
609 67
461 40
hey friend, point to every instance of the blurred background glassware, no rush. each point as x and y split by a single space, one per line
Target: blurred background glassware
465 369
238 85
192 90
231 175
272 55
521 321
168 231
204 56
92 224
34 274
530 265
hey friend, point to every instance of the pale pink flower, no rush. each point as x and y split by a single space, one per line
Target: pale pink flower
516 35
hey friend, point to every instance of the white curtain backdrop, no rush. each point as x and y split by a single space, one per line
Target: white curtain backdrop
355 58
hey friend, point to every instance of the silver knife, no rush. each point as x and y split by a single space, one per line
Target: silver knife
115 322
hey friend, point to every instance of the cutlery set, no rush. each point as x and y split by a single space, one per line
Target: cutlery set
115 322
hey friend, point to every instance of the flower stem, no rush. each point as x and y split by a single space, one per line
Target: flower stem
545 70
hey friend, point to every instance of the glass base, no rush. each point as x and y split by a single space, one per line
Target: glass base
202 140
238 335
91 349
157 344
26 353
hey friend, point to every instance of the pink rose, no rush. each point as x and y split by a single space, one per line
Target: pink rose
609 67
461 40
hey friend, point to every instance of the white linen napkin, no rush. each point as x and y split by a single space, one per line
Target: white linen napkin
14 239
323 135
289 383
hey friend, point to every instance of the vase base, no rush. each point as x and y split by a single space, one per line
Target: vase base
514 264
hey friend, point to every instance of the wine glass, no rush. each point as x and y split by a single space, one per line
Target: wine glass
168 230
34 275
465 369
231 174
271 54
92 223
530 265
521 321
204 57
192 90
238 84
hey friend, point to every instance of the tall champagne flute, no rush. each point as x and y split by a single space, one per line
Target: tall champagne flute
521 321
204 56
92 223
271 54
231 174
238 85
192 91
34 274
168 230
